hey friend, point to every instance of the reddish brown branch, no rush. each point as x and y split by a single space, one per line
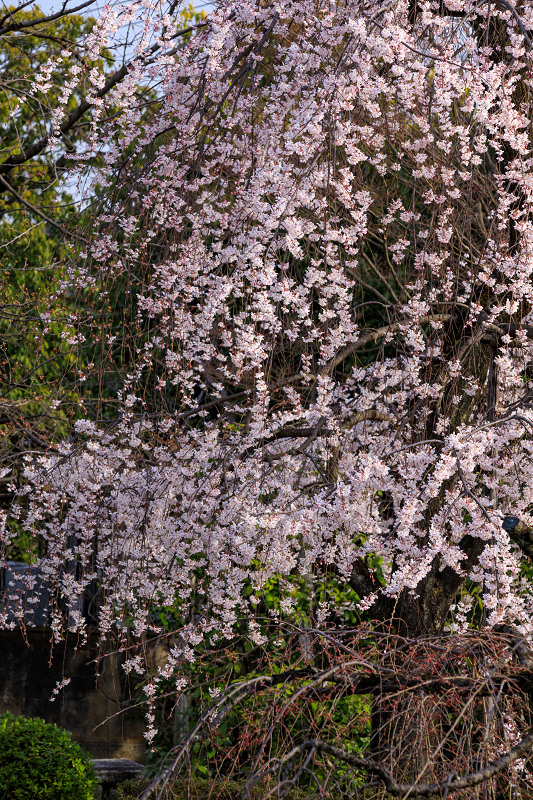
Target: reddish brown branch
524 747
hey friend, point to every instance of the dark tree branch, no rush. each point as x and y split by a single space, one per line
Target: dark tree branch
31 23
34 210
523 748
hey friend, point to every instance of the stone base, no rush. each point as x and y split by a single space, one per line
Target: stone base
111 771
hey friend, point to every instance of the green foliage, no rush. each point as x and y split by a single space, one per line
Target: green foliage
40 362
30 247
41 762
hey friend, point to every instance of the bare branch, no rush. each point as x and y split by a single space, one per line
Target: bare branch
523 748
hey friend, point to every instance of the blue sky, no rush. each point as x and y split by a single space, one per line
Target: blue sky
49 6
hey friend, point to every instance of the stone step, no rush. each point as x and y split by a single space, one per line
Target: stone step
111 771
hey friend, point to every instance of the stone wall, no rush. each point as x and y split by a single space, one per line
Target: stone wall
29 671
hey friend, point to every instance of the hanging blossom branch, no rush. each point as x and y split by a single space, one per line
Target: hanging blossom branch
95 43
249 323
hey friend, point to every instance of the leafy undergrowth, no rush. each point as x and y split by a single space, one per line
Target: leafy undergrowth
201 789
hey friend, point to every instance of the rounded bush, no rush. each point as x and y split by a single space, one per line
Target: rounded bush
39 761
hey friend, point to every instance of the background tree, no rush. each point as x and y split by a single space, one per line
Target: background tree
39 368
43 366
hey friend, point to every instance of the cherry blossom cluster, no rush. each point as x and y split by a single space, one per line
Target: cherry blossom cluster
280 398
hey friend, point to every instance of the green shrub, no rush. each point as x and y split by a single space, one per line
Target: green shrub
41 762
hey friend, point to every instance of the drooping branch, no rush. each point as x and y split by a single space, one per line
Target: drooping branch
386 672
37 211
523 748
